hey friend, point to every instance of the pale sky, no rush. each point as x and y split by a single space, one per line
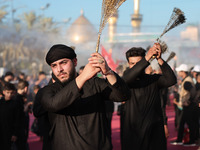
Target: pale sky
155 12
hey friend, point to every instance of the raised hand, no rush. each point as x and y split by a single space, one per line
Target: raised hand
98 61
152 52
158 50
89 71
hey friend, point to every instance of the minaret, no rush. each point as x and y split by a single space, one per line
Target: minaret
136 18
112 26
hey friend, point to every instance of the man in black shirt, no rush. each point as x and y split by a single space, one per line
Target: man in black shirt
143 125
75 104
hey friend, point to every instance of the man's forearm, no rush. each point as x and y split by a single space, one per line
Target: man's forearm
111 77
120 90
80 80
130 75
168 77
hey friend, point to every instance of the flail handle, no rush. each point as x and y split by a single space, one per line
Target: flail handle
98 41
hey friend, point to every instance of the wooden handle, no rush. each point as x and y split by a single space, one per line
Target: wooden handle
98 41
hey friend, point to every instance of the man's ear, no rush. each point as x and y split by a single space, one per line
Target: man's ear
74 61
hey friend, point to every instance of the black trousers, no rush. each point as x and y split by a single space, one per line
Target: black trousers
178 114
5 141
189 116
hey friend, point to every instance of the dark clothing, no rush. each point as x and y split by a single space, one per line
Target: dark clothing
77 118
197 100
120 112
109 113
177 110
197 85
164 98
44 124
23 123
197 97
189 116
9 123
143 125
109 106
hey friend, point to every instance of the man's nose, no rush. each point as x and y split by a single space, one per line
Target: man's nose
60 68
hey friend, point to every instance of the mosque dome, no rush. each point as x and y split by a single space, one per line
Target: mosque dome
81 30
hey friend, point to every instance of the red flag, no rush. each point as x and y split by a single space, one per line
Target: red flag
108 58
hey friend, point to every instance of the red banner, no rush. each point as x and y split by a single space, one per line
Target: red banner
108 58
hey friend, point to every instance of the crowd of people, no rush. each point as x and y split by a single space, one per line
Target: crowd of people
186 101
17 94
73 108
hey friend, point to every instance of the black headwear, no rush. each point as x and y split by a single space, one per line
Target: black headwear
59 51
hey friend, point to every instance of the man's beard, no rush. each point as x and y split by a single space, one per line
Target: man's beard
71 76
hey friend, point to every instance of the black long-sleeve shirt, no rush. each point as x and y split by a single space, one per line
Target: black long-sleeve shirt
142 118
43 121
78 118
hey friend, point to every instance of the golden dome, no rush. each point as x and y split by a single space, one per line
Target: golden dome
81 30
